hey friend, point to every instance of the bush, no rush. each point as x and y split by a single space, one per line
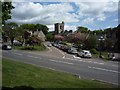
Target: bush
94 51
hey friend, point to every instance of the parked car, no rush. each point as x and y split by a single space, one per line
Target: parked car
6 47
66 48
72 51
17 43
49 45
116 56
85 53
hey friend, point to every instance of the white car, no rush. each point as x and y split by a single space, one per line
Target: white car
85 53
49 45
6 47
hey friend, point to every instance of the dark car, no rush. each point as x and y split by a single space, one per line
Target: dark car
6 47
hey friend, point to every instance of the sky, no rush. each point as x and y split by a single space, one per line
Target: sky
91 14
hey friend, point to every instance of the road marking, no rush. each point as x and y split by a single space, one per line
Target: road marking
60 61
95 62
104 69
33 56
115 65
101 63
76 57
104 81
17 53
89 61
61 53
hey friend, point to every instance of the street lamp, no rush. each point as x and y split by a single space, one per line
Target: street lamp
101 39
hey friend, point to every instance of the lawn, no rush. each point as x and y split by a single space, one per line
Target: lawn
35 48
21 74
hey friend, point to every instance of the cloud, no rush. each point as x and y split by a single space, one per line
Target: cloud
74 14
67 27
72 27
88 20
29 12
63 0
97 10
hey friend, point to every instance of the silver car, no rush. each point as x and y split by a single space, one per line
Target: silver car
72 51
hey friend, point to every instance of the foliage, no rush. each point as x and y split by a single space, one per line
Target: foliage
35 27
6 11
99 32
94 51
117 44
10 31
34 40
108 44
82 29
39 47
91 42
49 37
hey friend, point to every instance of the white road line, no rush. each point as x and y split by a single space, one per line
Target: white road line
103 69
76 57
60 61
101 63
89 61
33 56
115 65
61 53
95 62
17 53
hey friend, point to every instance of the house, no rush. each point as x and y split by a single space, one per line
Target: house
40 35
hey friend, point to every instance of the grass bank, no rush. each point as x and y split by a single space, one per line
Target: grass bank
20 74
32 48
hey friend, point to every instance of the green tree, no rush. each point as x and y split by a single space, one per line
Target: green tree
91 42
49 37
10 31
82 29
117 44
6 11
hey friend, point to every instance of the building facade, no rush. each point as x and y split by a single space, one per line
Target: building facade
59 28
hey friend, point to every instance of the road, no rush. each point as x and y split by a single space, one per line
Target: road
95 69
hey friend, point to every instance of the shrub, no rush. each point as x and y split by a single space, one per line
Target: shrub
94 51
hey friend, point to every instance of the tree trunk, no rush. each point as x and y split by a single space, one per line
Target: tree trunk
12 39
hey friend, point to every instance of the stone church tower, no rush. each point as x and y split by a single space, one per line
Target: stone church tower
59 28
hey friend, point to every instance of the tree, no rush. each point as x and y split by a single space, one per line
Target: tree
91 42
49 37
6 11
82 29
117 44
10 31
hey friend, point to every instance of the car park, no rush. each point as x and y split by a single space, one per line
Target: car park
85 53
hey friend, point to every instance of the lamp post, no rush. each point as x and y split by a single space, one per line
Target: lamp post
101 39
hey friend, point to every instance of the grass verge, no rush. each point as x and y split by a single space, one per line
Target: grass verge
35 48
16 74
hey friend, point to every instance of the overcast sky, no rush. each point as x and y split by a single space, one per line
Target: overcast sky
93 15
